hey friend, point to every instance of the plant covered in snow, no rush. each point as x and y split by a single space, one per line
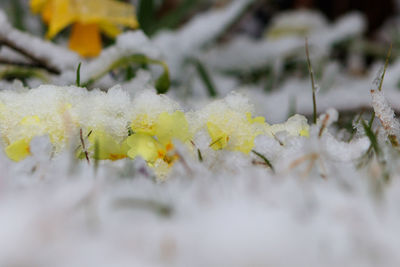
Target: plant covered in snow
117 127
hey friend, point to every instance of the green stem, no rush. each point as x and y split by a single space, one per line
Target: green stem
267 162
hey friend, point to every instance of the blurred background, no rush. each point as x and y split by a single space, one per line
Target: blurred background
156 15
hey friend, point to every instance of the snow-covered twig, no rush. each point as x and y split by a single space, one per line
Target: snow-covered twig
49 56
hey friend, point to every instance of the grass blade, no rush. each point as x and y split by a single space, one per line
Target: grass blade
371 136
266 161
385 68
205 77
310 70
78 75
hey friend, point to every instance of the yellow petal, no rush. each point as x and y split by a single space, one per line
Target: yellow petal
143 145
30 120
110 11
172 126
18 150
85 39
234 131
219 138
105 13
108 147
254 120
109 29
143 124
62 15
247 145
47 12
305 132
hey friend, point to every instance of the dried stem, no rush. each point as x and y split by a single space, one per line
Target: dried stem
33 65
323 126
83 145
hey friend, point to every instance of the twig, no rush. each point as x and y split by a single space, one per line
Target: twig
323 126
83 145
33 65
22 50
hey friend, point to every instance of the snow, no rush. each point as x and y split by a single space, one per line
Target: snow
385 113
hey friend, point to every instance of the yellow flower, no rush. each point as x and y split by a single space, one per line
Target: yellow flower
104 146
17 136
88 18
20 149
143 124
234 131
157 143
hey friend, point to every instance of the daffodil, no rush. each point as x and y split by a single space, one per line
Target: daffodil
233 130
153 140
88 18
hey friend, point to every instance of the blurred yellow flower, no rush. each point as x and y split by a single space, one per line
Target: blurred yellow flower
19 149
234 131
107 146
157 144
17 136
88 18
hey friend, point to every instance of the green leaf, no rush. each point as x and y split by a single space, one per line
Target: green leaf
17 72
371 136
146 16
163 82
205 77
129 73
